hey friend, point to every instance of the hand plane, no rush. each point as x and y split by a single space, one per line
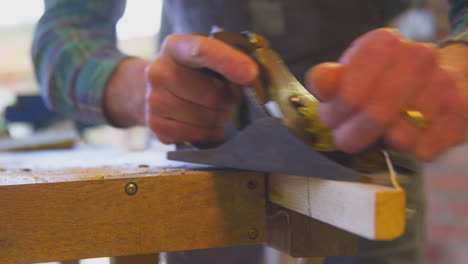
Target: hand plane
278 129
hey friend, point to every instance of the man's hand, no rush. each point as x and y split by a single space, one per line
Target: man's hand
184 102
379 77
174 95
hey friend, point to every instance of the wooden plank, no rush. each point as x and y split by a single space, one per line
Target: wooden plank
300 236
369 210
94 218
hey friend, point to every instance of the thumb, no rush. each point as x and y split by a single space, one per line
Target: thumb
323 80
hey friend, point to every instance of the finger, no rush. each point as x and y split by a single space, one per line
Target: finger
357 133
170 131
444 132
366 59
401 82
164 103
364 62
203 52
189 84
334 112
322 80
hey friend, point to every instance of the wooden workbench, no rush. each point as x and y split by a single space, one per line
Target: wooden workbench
83 203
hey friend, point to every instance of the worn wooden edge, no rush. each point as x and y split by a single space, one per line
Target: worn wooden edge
97 218
363 209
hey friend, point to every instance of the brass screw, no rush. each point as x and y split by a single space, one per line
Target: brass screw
253 233
251 184
295 101
131 188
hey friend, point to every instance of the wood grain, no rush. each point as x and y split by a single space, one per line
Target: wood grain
372 211
84 219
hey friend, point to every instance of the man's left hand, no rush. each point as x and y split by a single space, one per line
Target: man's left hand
378 78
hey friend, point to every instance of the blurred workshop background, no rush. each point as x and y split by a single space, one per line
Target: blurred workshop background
447 179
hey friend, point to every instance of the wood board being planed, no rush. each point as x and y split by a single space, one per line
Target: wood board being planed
372 211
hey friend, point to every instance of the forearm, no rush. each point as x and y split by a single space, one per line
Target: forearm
124 96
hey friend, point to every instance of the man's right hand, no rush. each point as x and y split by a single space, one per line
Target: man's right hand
174 95
183 101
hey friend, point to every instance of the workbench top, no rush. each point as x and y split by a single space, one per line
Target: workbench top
93 202
87 163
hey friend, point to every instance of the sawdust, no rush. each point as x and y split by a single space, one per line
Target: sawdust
40 179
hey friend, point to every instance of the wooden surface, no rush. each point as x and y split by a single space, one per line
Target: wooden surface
53 217
369 210
59 205
298 235
85 164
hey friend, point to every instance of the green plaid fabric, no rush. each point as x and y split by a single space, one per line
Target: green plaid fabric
74 52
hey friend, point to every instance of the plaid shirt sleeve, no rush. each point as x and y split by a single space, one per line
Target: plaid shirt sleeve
459 22
74 53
